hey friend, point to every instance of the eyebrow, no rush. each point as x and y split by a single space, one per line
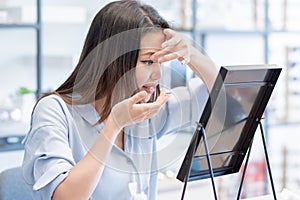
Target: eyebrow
148 52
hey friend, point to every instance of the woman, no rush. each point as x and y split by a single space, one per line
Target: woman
95 136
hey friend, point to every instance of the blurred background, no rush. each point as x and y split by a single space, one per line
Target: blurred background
41 40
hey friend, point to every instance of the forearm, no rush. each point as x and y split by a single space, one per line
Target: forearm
203 67
84 176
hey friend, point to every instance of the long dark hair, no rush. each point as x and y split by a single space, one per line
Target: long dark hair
106 68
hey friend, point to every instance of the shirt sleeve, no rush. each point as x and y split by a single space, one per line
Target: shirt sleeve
48 157
183 109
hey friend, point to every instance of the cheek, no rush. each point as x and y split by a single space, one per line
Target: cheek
142 75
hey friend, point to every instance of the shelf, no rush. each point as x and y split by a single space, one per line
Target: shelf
232 31
229 32
292 81
11 143
35 26
243 32
63 14
12 132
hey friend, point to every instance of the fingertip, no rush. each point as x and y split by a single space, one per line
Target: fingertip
142 93
168 31
153 57
167 93
138 97
164 92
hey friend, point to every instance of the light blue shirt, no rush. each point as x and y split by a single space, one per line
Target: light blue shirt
61 134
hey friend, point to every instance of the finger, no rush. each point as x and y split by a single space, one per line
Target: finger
150 109
161 53
167 47
171 42
146 113
164 92
168 57
149 116
137 97
185 60
159 56
152 112
163 97
145 108
169 32
173 55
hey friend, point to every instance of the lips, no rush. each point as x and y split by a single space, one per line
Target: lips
149 88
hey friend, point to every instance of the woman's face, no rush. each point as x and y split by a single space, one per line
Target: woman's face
148 72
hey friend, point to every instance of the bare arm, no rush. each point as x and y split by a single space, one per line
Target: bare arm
84 176
203 67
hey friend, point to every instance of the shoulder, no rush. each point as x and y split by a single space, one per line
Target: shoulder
50 107
51 102
50 99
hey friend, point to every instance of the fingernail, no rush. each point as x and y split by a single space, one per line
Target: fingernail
163 45
166 93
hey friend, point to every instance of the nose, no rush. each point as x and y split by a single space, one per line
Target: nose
156 71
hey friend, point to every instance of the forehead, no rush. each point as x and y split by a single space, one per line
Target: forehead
152 41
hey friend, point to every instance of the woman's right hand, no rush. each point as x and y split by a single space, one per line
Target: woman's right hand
131 111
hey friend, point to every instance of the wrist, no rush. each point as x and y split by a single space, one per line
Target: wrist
111 128
193 56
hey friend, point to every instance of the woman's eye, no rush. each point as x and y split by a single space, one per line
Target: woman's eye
148 62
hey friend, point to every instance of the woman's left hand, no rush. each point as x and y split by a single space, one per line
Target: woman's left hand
175 47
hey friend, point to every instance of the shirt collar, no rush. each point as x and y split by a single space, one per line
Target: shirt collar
88 113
